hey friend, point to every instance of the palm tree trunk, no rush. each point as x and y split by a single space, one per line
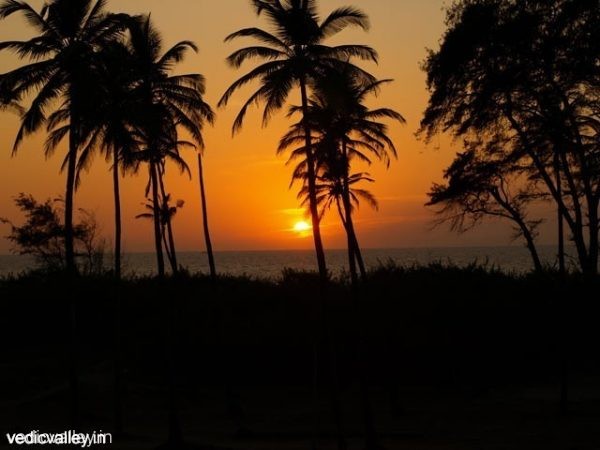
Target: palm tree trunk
163 231
312 191
209 249
156 217
351 256
358 254
117 198
352 239
172 255
174 264
69 194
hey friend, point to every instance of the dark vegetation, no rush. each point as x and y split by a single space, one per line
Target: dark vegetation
438 340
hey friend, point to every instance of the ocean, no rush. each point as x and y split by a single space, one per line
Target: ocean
270 264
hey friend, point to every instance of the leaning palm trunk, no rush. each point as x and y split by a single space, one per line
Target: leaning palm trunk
156 217
163 231
352 239
353 247
358 254
351 254
209 249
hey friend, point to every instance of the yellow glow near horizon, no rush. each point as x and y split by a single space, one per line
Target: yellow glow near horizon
302 227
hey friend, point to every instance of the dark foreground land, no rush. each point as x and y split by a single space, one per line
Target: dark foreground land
456 359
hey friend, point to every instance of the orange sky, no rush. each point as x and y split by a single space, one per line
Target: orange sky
250 204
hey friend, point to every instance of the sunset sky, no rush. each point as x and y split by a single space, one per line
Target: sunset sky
250 205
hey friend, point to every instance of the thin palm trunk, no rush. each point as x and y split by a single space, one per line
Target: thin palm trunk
351 256
352 239
171 244
358 254
156 218
117 199
163 231
209 249
69 198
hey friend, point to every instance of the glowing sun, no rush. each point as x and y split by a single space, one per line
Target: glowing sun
301 227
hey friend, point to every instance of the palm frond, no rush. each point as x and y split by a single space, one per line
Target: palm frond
342 18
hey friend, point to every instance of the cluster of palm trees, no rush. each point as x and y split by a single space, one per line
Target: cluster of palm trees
335 126
103 81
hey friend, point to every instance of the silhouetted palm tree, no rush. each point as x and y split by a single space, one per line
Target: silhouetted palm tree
344 129
295 54
166 103
70 33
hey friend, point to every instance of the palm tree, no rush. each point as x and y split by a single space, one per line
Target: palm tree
343 129
166 102
295 54
63 54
